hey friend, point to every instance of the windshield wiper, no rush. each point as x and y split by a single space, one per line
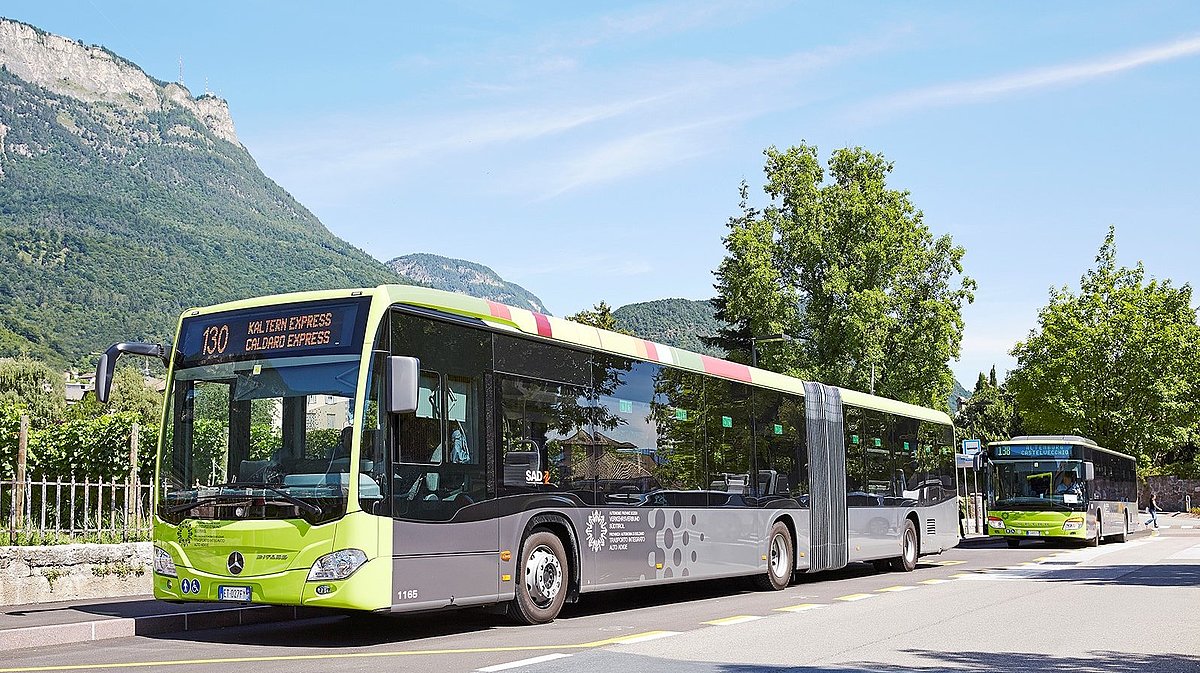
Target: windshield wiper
291 499
191 505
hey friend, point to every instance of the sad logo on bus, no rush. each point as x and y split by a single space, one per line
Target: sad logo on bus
596 531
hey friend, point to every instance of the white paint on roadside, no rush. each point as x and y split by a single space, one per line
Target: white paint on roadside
730 621
803 607
645 637
523 662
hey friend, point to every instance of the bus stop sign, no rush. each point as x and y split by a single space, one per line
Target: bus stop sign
970 447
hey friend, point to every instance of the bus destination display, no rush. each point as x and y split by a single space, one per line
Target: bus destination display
296 329
1034 451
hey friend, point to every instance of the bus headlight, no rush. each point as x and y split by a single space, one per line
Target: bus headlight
163 563
995 522
1074 523
337 566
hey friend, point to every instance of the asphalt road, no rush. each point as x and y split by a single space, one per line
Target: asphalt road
1121 607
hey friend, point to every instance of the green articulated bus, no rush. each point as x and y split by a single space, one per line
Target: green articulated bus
1064 487
404 449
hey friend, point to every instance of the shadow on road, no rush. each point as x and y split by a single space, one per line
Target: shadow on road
366 629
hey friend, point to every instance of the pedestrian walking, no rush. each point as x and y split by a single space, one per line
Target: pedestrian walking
1152 509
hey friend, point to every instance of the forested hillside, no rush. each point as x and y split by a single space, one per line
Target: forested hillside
123 200
674 322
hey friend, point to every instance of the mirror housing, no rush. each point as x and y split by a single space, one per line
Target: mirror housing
1089 471
979 461
403 379
107 364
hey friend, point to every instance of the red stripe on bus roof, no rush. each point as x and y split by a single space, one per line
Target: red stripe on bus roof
729 370
543 324
651 350
499 310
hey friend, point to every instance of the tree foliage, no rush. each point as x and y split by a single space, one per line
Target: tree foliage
600 315
848 267
32 385
989 414
1118 361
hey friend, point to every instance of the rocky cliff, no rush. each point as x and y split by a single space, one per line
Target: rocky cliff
93 74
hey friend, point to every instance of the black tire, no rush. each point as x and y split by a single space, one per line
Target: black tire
1124 536
1095 542
542 579
910 549
781 562
1013 542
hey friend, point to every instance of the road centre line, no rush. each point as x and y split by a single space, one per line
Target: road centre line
523 662
730 621
948 563
930 581
899 587
341 655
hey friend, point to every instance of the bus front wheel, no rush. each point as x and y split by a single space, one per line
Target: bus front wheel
542 580
907 560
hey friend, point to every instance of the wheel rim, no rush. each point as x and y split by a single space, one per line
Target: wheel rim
543 576
779 556
910 547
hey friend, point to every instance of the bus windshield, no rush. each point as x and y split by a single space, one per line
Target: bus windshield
1038 484
265 438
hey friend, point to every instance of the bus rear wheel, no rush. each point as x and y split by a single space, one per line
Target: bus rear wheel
909 550
779 560
542 579
1124 534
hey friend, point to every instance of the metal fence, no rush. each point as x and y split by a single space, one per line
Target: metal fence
54 509
60 509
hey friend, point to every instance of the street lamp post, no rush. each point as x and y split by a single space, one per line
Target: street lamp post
754 341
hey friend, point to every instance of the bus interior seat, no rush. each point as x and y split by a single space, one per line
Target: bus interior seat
253 470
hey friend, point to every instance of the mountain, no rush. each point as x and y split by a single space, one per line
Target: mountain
674 322
959 391
125 199
458 275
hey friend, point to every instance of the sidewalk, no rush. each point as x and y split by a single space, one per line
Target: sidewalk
23 626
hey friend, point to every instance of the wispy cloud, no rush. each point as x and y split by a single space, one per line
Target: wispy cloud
991 88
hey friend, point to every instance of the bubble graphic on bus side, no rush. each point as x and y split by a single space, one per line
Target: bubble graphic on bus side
677 543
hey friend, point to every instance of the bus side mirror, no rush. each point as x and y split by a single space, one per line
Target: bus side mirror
403 374
979 461
1089 471
107 363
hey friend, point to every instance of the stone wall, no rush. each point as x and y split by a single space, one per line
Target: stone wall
74 571
1171 492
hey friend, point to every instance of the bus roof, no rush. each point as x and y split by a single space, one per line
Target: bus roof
537 324
1025 440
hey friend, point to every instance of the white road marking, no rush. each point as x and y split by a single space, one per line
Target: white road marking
523 662
729 621
802 607
854 597
653 635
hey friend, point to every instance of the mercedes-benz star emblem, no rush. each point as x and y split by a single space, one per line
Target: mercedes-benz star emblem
236 563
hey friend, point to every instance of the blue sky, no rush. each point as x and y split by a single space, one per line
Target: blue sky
593 152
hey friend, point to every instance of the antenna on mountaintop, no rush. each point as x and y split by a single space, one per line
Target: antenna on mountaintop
207 91
181 71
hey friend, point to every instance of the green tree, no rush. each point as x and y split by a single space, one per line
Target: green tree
849 268
989 413
35 386
131 394
600 315
1118 362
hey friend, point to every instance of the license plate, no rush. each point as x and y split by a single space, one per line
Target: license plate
239 594
1033 532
